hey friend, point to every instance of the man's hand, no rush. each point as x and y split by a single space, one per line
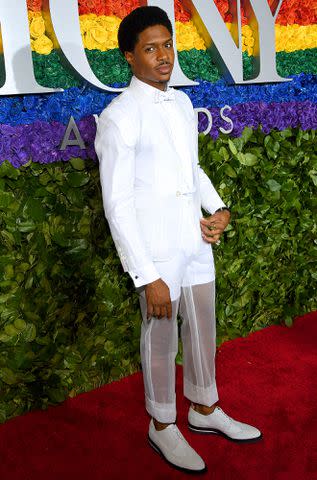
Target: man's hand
213 226
158 299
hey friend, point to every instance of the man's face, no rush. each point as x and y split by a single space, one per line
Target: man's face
152 59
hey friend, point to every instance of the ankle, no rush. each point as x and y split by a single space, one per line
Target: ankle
160 425
203 409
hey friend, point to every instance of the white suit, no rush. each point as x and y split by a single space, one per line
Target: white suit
153 190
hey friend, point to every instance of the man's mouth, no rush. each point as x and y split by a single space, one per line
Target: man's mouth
164 69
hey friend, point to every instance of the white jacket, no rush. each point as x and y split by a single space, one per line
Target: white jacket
145 172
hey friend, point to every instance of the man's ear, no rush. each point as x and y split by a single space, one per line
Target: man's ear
129 58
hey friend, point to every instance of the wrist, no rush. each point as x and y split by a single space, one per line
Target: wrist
223 209
155 282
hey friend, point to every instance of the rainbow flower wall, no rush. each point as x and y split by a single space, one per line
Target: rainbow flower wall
32 126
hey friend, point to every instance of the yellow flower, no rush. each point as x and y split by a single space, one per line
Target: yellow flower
199 44
42 45
32 15
99 34
188 36
110 23
89 41
247 39
112 44
86 22
37 27
247 31
295 37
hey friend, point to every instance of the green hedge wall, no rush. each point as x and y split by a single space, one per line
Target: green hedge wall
69 317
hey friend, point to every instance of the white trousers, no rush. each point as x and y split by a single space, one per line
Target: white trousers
159 342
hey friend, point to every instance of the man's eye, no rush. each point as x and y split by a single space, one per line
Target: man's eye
149 49
168 45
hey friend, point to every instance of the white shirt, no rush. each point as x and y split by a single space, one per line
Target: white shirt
148 153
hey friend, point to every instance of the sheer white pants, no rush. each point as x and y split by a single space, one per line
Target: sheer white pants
159 346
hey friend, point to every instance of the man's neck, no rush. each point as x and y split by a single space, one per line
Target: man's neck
159 85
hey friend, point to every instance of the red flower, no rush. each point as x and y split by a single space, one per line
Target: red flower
34 5
91 6
292 11
181 14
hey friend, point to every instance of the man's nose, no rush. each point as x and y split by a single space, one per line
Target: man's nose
162 54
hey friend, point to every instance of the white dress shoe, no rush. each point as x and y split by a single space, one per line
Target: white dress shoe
220 423
173 447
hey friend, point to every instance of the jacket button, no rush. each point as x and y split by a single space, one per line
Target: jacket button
136 277
178 193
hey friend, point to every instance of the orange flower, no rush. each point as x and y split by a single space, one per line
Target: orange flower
303 12
34 5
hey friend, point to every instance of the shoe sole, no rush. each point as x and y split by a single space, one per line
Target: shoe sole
182 469
214 431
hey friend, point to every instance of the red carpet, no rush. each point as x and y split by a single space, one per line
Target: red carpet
267 379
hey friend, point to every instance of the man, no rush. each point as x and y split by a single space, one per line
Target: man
153 191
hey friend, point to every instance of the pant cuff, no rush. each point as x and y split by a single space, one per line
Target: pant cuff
162 412
203 395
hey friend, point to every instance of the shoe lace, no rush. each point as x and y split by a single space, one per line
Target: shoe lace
178 433
227 416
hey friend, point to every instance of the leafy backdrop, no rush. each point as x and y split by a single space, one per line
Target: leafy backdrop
69 316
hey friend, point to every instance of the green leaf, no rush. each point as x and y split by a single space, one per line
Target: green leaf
313 176
224 153
286 133
34 210
19 324
247 134
6 198
232 147
77 179
230 171
28 226
8 376
10 330
276 146
29 333
8 170
273 185
78 163
247 159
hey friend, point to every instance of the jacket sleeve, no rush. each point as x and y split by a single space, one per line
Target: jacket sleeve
210 200
117 170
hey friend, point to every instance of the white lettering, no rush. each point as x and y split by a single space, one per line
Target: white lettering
65 20
18 64
77 141
206 112
265 58
226 119
225 48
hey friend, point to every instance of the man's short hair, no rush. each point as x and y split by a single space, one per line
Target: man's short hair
136 22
